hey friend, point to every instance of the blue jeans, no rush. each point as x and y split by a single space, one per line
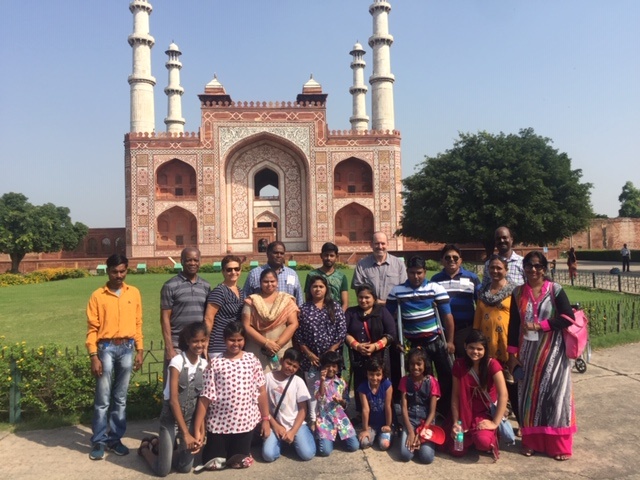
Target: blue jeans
424 454
303 443
111 392
384 440
325 447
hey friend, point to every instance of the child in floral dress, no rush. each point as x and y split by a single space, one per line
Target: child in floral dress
331 419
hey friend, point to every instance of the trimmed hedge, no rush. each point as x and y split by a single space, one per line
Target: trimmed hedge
41 276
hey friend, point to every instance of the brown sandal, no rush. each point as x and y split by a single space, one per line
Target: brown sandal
527 452
144 443
561 458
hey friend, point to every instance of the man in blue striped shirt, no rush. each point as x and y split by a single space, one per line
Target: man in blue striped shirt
288 280
418 299
462 287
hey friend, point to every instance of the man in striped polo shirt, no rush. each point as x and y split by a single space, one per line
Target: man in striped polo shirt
418 298
462 287
183 300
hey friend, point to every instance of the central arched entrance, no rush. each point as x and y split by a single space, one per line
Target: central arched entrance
266 179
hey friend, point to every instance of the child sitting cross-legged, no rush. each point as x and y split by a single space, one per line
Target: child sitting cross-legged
375 397
288 396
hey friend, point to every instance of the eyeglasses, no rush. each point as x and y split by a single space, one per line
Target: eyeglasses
448 258
531 266
232 269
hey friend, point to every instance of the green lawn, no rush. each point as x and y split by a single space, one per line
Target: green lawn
54 312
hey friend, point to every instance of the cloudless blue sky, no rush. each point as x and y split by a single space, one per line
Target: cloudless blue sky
569 69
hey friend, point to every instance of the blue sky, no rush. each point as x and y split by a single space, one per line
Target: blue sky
568 69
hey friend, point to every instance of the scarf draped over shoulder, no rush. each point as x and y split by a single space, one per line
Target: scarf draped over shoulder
493 299
265 317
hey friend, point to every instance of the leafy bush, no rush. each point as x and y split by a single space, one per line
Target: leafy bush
41 276
161 269
304 266
51 380
144 400
9 279
57 381
433 265
341 266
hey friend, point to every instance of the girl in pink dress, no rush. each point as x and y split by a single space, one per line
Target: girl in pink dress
234 400
476 376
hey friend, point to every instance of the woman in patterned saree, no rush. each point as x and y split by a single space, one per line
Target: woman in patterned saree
536 344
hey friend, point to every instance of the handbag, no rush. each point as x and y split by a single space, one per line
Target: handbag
504 427
576 335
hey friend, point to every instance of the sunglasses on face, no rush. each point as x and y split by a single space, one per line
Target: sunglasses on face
536 266
232 269
448 258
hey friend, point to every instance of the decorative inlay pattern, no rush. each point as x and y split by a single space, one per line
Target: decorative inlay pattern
143 206
229 136
143 174
290 189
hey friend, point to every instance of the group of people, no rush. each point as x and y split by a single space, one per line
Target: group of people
446 354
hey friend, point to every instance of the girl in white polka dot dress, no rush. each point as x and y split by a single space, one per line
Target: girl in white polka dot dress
234 401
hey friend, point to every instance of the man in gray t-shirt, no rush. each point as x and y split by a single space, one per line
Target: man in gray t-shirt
183 300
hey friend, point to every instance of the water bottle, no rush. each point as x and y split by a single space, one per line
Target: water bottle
274 363
458 443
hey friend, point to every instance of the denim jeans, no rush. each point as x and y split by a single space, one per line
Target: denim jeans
109 418
437 352
303 443
325 447
384 440
424 454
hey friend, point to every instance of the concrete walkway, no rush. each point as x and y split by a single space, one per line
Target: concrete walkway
607 444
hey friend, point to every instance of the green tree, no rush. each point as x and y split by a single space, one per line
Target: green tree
487 180
26 228
629 201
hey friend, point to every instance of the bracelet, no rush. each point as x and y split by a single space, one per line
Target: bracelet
94 354
267 418
380 345
354 344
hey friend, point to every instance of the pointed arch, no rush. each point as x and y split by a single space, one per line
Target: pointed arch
352 177
176 180
176 229
353 224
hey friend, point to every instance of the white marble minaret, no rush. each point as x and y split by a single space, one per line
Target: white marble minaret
174 120
381 79
141 80
359 120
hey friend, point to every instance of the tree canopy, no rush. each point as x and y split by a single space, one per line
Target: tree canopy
26 228
629 201
486 181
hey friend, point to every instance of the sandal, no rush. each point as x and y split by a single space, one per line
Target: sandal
495 453
217 463
240 461
153 444
527 452
144 443
561 458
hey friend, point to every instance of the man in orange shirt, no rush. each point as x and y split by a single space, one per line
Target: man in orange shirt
114 318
